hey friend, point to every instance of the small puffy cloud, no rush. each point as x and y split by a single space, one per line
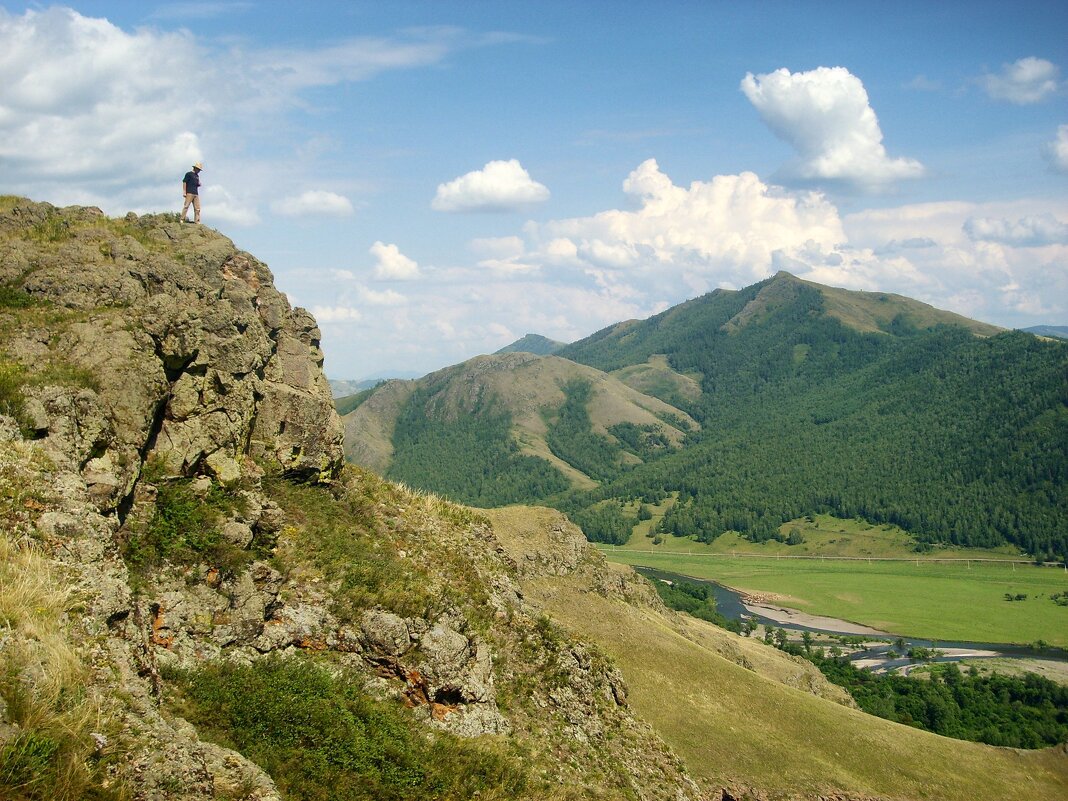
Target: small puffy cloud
1034 231
560 251
1029 80
1057 150
391 264
220 205
336 314
824 114
314 203
921 83
388 297
499 186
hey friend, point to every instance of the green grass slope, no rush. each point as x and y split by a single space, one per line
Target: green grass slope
729 724
740 716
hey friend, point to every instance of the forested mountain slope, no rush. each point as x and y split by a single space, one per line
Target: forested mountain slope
511 427
956 437
808 399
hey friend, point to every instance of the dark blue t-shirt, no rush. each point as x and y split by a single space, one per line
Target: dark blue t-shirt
192 183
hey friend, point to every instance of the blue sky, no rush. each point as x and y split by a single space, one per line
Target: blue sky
434 180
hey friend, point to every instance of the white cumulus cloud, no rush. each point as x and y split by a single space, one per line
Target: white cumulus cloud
391 264
314 203
993 261
499 186
1029 80
1034 231
85 103
1057 150
989 261
729 227
824 114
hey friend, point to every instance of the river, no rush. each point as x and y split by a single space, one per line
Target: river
875 652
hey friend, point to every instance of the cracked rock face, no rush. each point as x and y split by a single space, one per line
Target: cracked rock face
185 348
444 670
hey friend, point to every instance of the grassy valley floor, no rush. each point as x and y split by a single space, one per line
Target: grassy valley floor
943 595
741 713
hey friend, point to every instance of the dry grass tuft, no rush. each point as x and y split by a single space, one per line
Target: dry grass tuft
48 706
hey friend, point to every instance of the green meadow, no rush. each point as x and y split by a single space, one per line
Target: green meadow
915 597
821 535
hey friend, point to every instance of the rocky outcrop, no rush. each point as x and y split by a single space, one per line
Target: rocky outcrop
186 352
145 342
152 355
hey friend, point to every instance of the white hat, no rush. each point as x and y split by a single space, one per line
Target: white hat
198 166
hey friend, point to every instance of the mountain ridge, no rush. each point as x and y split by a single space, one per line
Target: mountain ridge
533 343
788 361
1058 331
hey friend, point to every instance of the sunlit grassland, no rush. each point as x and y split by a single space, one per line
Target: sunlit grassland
728 722
918 598
824 535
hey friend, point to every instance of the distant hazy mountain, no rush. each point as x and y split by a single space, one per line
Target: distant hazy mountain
341 389
1057 331
782 399
533 343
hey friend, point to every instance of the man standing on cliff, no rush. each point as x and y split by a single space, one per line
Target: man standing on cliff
191 192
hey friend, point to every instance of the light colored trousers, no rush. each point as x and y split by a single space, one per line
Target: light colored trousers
195 200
